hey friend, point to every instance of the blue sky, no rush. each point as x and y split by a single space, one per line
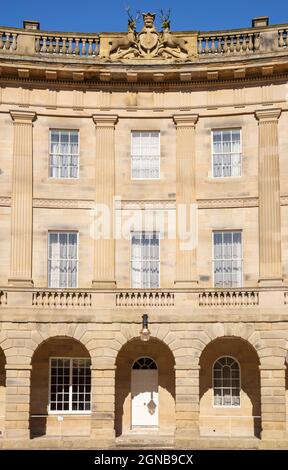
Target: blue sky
110 15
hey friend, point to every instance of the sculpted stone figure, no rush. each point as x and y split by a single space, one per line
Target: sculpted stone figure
148 43
122 46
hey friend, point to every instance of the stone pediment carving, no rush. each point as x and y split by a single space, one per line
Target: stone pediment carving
148 43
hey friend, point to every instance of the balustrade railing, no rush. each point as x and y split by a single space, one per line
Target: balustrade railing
242 42
225 43
145 299
61 299
228 298
8 41
67 45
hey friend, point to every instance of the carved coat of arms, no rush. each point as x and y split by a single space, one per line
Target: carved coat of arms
148 43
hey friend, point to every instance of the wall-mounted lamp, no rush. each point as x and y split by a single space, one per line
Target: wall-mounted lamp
145 333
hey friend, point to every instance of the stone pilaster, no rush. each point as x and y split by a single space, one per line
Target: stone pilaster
17 401
103 404
104 246
273 402
22 190
270 268
187 402
186 262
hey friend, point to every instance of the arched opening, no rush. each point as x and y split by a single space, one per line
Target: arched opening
2 391
230 402
60 402
145 387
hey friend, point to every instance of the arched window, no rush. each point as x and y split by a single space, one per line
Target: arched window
144 363
226 382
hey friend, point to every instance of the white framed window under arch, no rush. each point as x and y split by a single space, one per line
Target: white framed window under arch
226 381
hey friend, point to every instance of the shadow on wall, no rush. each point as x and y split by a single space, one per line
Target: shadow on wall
250 405
164 359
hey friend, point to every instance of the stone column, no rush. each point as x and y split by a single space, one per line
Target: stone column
187 403
186 262
103 404
104 247
270 268
21 210
17 401
273 402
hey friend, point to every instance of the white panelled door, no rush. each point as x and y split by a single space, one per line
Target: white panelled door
144 392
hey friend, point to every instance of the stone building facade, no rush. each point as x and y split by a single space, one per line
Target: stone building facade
108 144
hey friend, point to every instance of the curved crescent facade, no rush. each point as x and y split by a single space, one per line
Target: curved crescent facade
144 173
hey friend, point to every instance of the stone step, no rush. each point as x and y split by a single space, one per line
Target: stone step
138 441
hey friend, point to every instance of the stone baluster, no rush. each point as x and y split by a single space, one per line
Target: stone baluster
57 45
83 52
104 246
219 47
231 46
77 48
225 45
186 267
270 265
44 45
7 43
213 48
50 48
250 43
70 46
281 42
238 44
90 47
64 46
21 208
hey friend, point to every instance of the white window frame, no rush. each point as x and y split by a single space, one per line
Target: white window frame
212 152
159 155
213 258
159 260
73 178
77 256
213 386
70 411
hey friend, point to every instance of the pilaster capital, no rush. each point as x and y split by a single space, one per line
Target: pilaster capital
185 120
23 117
18 367
267 115
104 120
